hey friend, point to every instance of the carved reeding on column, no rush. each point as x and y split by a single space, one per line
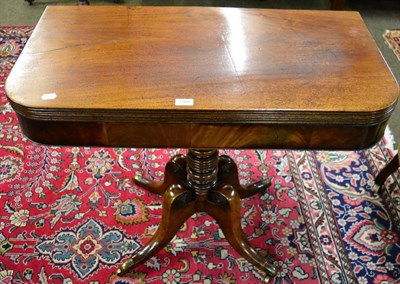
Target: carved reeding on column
202 170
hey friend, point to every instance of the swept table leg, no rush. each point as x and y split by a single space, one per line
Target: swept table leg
389 169
228 174
224 206
175 173
178 205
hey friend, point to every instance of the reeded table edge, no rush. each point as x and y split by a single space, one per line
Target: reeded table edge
204 116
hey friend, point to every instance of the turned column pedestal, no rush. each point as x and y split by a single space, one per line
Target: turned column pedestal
202 181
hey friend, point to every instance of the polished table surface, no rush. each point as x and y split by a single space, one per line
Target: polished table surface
202 77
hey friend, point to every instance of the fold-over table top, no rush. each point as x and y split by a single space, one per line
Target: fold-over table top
202 66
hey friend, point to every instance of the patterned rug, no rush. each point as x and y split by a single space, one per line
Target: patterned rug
72 214
392 38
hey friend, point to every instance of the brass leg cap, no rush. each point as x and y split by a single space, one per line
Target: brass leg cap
267 279
375 189
125 267
270 270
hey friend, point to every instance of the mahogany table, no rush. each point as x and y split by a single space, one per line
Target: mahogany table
202 79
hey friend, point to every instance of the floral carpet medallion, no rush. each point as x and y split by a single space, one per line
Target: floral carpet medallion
72 214
86 248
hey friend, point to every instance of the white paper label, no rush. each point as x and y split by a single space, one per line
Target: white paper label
50 96
184 102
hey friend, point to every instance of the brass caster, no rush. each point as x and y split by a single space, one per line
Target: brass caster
375 189
125 267
270 270
267 279
138 179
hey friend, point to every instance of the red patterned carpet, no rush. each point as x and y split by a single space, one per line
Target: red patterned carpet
71 214
392 38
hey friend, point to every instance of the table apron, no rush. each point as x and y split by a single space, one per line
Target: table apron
222 136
